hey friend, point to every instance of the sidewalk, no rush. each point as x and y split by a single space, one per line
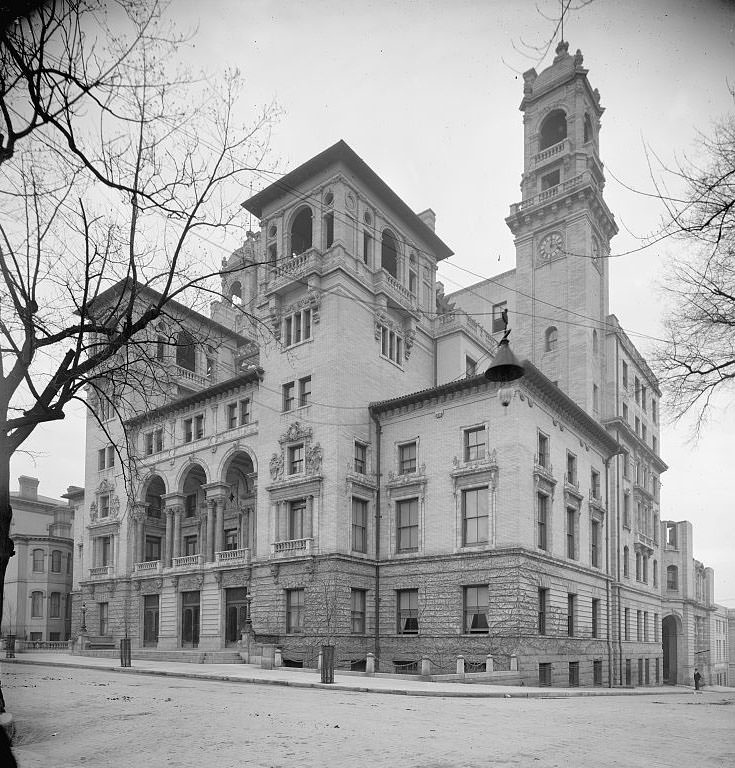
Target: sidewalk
308 678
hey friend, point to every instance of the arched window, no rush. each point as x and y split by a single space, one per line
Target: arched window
588 135
153 497
553 129
626 561
36 605
185 351
54 605
389 253
56 561
236 293
637 566
552 338
301 232
672 578
38 560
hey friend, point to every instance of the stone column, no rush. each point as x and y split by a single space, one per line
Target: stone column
177 532
219 525
308 522
168 541
139 538
210 531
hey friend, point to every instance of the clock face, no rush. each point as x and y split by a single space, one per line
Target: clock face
551 246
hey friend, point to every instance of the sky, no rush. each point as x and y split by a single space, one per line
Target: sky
427 93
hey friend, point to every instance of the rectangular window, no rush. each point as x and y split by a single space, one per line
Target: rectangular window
407 601
360 458
644 403
191 545
574 674
474 516
289 399
542 457
366 247
596 672
626 624
571 469
639 626
231 415
104 505
475 609
296 514
38 557
637 390
595 617
245 411
158 440
110 456
357 611
152 548
149 444
637 426
199 427
544 674
104 614
36 605
645 626
297 327
498 322
101 454
644 432
104 551
296 459
188 431
474 444
406 458
304 391
231 540
571 606
626 510
391 345
359 525
54 605
294 611
542 515
543 599
625 374
595 483
595 543
408 525
571 533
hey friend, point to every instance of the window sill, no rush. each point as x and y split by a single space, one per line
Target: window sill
289 347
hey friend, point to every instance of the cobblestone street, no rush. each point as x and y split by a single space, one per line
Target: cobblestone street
73 717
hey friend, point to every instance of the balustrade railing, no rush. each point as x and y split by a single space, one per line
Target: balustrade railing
292 546
542 197
192 377
101 570
554 149
232 556
151 566
187 561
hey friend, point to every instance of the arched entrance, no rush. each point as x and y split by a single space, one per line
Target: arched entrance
670 633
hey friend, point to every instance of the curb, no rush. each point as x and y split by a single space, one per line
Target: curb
554 693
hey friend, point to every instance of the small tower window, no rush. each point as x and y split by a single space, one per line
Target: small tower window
235 294
389 253
301 232
550 180
553 129
552 339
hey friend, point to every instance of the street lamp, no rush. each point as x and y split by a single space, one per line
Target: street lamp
84 618
504 368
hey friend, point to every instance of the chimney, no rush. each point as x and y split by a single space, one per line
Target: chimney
429 218
28 487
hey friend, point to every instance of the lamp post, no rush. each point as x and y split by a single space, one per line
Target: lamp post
83 629
504 367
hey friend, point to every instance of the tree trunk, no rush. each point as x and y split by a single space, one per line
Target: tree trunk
6 543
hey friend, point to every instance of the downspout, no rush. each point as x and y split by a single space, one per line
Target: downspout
378 435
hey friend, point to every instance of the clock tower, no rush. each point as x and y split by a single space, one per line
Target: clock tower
562 230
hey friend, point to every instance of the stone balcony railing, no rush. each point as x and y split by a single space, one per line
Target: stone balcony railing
547 195
101 571
232 557
292 547
460 321
550 152
384 281
151 566
646 541
187 561
192 379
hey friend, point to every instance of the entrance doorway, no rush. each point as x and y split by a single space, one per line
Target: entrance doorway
236 613
669 636
150 621
190 619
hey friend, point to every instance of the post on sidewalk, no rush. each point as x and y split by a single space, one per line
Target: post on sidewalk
460 664
489 663
370 664
425 666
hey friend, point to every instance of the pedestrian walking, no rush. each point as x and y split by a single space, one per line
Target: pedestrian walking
697 680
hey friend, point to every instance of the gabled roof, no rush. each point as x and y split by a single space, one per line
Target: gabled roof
342 153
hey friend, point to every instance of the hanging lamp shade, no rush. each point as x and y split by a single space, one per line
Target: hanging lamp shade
504 367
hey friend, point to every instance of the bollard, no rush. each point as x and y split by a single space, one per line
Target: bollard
327 663
370 664
489 663
278 658
460 664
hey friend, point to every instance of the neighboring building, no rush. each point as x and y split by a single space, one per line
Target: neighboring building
349 478
38 580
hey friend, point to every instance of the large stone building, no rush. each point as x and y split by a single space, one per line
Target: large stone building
38 580
347 477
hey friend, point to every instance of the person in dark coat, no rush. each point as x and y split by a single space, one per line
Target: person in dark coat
697 680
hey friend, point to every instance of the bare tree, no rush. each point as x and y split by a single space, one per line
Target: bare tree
117 165
697 358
